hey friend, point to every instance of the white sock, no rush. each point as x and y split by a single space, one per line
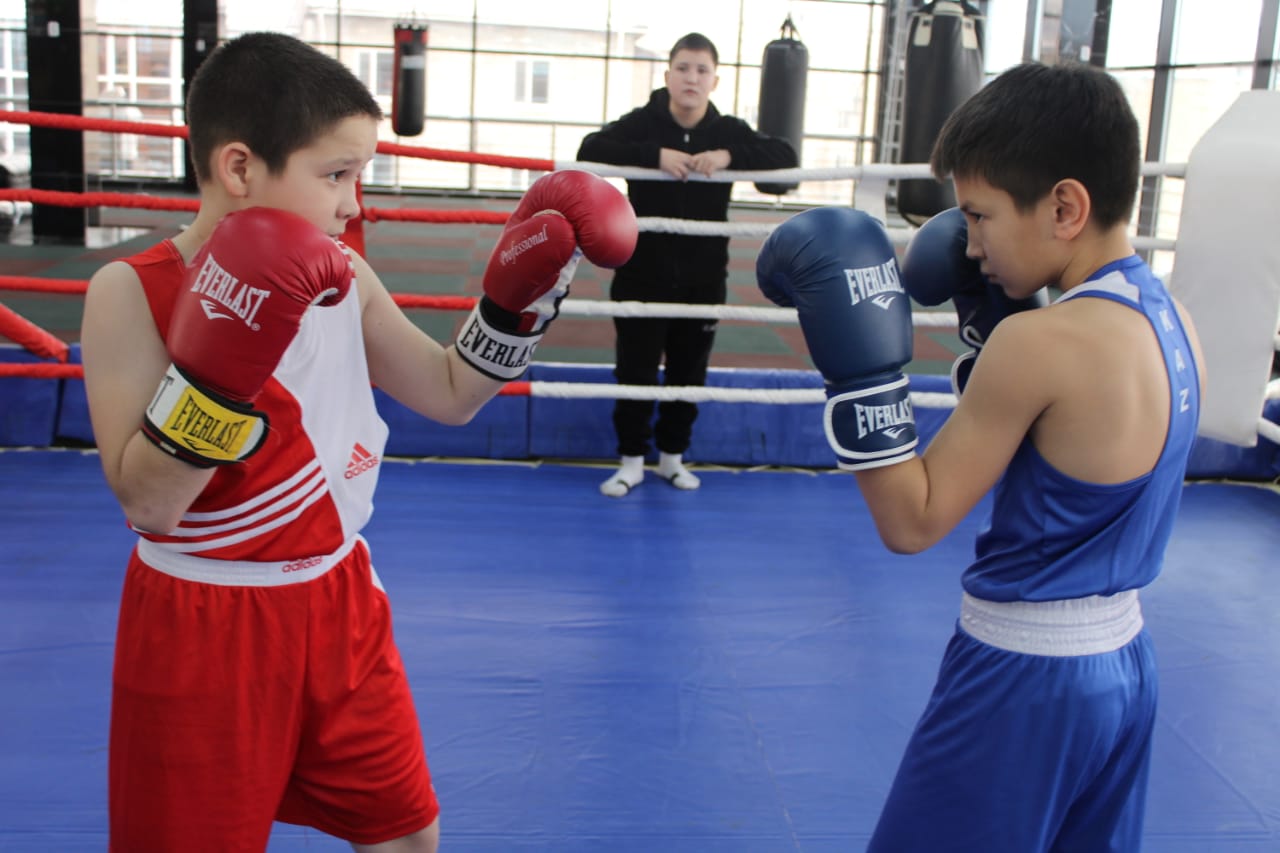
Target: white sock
629 475
671 468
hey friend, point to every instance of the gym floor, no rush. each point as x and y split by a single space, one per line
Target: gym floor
733 669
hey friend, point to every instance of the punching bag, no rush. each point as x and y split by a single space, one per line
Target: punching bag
409 89
943 70
782 84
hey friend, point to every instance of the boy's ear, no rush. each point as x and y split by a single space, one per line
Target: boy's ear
1071 208
232 168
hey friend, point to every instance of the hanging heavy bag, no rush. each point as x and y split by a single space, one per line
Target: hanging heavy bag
943 70
782 84
409 89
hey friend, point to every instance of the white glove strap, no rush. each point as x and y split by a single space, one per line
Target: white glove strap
547 306
497 354
882 431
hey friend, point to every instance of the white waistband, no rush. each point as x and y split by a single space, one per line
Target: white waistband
1076 626
241 572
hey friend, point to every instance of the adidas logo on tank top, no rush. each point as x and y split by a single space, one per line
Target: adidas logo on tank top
361 460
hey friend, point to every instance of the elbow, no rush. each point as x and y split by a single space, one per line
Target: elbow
906 547
157 520
903 544
458 415
150 515
904 540
457 419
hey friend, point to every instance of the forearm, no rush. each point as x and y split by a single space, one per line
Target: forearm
898 498
762 152
154 488
619 150
432 380
470 389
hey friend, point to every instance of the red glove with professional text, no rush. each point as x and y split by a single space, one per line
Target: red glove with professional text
564 216
240 306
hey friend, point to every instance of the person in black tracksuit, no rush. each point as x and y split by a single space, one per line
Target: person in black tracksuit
680 132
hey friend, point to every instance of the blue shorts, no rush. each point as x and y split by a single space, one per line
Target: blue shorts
1025 753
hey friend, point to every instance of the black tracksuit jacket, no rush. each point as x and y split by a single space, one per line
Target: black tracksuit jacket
679 267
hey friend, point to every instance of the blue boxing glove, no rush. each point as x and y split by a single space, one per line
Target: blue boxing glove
836 266
935 268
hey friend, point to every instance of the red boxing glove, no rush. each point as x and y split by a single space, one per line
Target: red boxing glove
564 216
240 307
602 218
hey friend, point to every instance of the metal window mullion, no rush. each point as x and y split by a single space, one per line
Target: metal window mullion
1264 64
1031 36
1158 118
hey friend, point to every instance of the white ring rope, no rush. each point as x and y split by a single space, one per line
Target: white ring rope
760 314
709 394
870 171
897 236
877 177
1268 430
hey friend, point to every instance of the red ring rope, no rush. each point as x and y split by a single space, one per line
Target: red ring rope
78 287
60 198
66 121
34 339
40 371
43 285
75 371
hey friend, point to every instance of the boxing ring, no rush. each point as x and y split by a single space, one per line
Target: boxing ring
732 669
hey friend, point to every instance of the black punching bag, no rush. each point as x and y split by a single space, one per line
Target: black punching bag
943 70
409 89
782 82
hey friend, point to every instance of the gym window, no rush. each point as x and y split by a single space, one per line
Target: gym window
532 81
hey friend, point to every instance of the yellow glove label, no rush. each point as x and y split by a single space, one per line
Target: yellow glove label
195 422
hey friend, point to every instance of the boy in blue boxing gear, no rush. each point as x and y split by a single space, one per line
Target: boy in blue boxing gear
1079 418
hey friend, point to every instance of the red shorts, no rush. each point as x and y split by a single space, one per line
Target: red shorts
234 706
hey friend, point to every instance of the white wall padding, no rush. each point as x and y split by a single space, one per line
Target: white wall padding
1226 265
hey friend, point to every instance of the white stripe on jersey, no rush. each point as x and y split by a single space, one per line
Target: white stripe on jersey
319 490
307 472
241 517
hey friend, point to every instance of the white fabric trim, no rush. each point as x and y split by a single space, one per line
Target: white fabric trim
1112 282
1078 626
243 572
328 374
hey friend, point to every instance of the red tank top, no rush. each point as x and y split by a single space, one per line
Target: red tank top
309 490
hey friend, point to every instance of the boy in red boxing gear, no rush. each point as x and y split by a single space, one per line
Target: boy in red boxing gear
229 375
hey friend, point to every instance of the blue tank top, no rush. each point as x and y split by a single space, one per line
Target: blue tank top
1051 536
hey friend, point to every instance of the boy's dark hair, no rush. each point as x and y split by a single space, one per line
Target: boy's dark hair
1035 125
695 41
274 93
